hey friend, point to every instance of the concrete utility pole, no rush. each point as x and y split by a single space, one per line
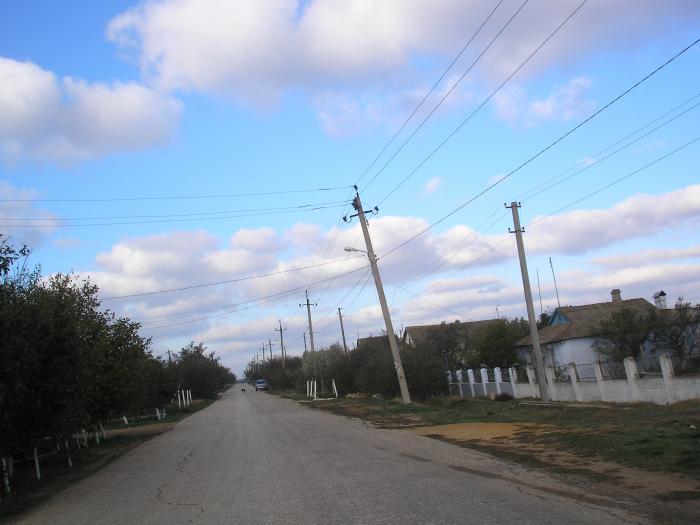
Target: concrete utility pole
305 349
269 343
263 348
311 328
536 350
284 354
342 331
357 204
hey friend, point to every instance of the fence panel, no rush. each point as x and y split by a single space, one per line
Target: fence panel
521 375
561 373
649 367
691 366
613 370
585 372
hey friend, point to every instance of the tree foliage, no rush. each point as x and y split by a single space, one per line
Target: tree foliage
67 364
677 330
624 333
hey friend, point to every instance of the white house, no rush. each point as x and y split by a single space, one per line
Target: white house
570 334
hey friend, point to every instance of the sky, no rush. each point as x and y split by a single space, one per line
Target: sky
158 148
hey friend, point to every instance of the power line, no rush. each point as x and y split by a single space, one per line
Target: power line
445 97
296 289
483 103
427 95
559 210
618 180
57 223
543 150
547 185
192 214
182 197
249 277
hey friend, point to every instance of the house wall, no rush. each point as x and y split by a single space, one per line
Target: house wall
578 351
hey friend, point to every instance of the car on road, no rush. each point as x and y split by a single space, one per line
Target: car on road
261 384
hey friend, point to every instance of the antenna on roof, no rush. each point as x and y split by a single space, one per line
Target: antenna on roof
539 290
555 282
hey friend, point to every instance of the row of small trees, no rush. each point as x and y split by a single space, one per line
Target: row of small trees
66 364
370 367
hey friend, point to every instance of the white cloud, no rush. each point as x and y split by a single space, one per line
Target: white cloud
68 119
257 51
639 216
563 103
432 185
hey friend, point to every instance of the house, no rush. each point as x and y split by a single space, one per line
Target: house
570 333
373 341
413 335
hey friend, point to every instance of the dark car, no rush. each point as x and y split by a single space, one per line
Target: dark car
261 384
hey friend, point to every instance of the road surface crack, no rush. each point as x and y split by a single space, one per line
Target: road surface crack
180 467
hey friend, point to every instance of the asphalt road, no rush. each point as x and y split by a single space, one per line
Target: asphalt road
253 458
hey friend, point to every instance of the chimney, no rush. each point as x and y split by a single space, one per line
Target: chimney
660 300
616 295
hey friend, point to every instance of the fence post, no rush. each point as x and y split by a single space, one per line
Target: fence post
599 379
460 382
531 379
6 477
667 371
70 460
571 368
632 373
549 378
513 381
470 376
449 382
335 390
498 377
37 468
484 380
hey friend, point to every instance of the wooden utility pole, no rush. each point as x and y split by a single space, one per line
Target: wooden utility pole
311 328
536 350
342 330
269 342
403 386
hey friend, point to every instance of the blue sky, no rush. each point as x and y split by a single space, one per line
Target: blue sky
105 100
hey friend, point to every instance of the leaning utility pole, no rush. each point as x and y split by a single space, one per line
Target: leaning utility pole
357 204
342 331
311 328
280 330
536 350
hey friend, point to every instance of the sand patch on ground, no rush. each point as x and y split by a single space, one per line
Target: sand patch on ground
512 438
480 431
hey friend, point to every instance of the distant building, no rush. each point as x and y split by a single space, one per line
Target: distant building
413 335
571 332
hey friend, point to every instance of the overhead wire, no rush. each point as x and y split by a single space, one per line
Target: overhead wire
430 92
228 281
543 150
181 197
233 305
483 103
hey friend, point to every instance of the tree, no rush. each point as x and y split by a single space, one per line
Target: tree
677 330
624 333
493 344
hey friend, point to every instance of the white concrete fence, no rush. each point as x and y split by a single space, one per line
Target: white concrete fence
653 380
